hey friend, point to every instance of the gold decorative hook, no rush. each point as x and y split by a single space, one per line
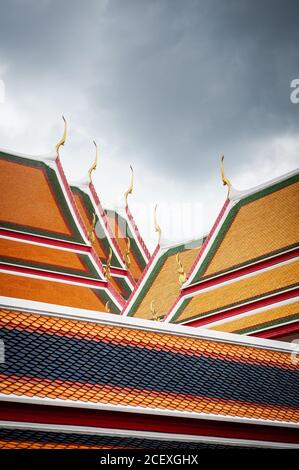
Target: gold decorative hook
130 190
94 165
91 233
127 258
155 316
157 226
181 272
225 180
153 310
63 138
107 272
107 306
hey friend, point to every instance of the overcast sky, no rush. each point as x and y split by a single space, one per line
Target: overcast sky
164 85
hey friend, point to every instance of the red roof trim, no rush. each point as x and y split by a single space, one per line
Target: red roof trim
137 233
207 240
273 299
136 287
54 276
105 220
265 263
70 196
28 413
201 252
276 332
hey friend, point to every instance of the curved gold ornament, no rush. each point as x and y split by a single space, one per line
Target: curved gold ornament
181 272
153 311
157 226
130 190
107 272
91 233
127 258
63 138
95 163
107 306
225 180
155 316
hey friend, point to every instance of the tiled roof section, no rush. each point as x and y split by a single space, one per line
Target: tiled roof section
246 289
121 232
52 292
121 286
261 320
28 439
34 201
162 284
259 225
48 258
50 357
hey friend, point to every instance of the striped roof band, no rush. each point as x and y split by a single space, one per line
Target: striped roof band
47 357
38 439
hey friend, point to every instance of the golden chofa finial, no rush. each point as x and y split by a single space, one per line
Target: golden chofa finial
157 226
155 316
91 233
130 190
181 272
63 138
225 180
127 258
94 165
107 272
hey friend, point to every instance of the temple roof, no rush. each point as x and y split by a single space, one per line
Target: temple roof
248 262
72 368
46 254
255 224
65 248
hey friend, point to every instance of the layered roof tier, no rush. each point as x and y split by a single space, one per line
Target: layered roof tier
110 376
245 278
49 249
242 277
73 375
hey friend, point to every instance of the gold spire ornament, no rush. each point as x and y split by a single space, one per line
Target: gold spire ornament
127 258
95 163
157 226
107 306
225 180
63 138
91 233
130 190
181 272
107 272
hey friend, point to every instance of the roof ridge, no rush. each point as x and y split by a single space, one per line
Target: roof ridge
236 195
